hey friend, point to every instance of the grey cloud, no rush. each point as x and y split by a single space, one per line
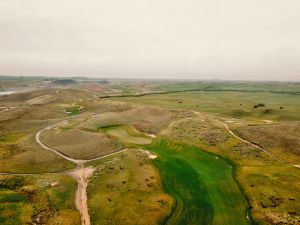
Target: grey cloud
232 39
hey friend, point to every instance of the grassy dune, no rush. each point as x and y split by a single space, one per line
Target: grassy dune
202 185
79 143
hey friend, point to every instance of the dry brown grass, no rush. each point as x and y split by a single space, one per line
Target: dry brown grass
26 156
79 143
104 105
273 192
281 139
198 129
145 119
43 99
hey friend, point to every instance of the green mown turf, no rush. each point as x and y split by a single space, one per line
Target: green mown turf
201 184
73 111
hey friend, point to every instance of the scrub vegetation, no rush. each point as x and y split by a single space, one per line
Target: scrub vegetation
127 189
154 152
47 199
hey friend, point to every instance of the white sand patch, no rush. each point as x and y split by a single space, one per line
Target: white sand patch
151 156
54 183
6 92
268 121
151 135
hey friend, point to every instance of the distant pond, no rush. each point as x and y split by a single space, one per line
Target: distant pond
6 92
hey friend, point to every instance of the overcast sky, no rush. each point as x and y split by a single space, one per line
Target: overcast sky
205 39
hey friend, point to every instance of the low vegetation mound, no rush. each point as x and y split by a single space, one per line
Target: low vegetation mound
284 137
196 130
40 100
144 119
65 82
80 143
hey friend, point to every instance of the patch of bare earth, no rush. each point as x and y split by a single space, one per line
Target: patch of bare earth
40 100
82 174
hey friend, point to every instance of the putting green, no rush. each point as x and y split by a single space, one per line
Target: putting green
123 135
201 184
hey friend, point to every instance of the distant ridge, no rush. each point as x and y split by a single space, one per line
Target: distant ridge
64 82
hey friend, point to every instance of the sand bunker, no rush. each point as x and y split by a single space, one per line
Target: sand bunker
151 135
151 156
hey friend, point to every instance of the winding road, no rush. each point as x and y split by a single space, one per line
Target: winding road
81 174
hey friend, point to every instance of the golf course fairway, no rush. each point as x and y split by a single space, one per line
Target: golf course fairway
201 184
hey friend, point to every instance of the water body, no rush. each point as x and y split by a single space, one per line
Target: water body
6 93
201 184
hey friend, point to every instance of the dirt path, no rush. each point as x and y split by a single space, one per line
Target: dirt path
254 145
81 174
77 161
38 140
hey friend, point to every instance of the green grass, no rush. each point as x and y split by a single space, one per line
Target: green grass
23 198
202 185
127 135
12 197
124 136
73 111
108 127
228 103
11 203
293 88
10 138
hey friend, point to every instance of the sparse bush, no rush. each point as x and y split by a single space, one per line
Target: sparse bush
259 105
13 182
267 111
